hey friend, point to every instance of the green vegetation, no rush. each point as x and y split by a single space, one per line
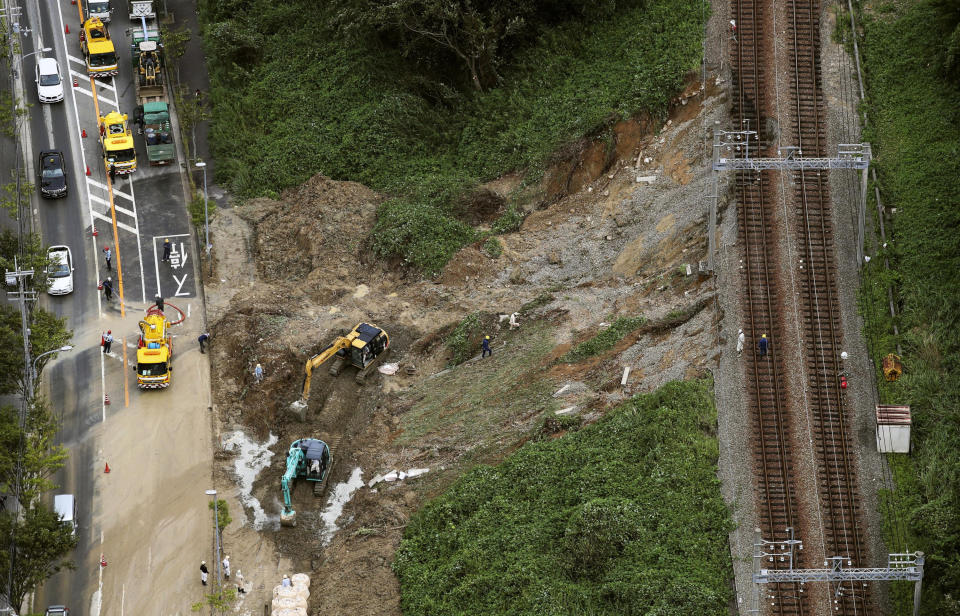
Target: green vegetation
223 513
364 97
540 300
605 340
621 517
42 543
493 247
463 340
482 407
915 131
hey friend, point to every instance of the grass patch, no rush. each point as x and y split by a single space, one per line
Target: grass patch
291 97
605 340
541 300
915 132
473 406
621 517
462 341
493 248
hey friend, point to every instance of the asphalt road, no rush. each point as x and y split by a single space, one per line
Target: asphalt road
144 209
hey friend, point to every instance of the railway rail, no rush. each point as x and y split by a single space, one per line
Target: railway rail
838 525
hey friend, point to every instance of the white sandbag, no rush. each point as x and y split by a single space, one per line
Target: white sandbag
292 611
302 591
288 603
300 579
285 591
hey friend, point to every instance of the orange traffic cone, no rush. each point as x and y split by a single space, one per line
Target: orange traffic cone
106 467
75 83
88 169
106 399
95 232
103 561
66 29
83 133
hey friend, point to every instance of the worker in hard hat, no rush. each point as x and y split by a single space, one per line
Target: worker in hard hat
486 347
763 344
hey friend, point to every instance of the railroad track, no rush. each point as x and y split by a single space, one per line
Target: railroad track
836 499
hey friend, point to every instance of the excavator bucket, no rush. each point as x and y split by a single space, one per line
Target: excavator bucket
288 519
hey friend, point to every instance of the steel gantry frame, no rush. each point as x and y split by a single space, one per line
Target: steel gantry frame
901 567
732 152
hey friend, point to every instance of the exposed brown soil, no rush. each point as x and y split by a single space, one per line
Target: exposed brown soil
598 243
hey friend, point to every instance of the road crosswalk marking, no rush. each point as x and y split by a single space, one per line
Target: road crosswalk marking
116 193
120 225
106 203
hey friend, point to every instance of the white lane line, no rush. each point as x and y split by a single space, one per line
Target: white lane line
105 102
120 225
116 192
106 203
79 61
133 206
83 162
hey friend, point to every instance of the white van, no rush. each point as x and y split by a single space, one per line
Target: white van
66 507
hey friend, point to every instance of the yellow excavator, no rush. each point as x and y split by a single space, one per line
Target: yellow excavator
362 347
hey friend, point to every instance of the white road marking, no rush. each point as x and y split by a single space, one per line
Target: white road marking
104 102
116 192
120 225
180 286
122 210
83 163
79 61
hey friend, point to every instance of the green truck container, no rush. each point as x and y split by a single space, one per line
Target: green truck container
158 134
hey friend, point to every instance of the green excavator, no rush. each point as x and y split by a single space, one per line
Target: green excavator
310 459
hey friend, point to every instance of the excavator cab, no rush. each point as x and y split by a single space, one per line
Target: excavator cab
361 348
310 459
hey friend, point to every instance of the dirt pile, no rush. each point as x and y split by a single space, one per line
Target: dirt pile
320 224
620 246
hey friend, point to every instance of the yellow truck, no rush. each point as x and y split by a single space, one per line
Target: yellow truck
98 49
116 141
154 351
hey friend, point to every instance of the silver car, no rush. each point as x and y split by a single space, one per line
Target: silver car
60 270
49 82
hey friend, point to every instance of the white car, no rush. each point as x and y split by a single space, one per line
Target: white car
49 83
60 271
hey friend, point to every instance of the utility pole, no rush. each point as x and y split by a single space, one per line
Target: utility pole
17 278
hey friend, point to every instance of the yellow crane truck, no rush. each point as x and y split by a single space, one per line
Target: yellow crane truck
154 351
116 141
98 49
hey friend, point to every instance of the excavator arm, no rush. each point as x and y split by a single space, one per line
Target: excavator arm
288 515
338 345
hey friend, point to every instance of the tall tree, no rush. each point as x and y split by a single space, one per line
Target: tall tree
42 541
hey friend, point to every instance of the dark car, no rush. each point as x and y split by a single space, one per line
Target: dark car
57 610
53 175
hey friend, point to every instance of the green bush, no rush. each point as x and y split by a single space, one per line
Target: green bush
605 520
915 132
605 340
292 97
463 340
493 247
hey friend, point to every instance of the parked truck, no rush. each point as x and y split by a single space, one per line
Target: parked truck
152 114
154 117
98 50
98 8
116 142
154 351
